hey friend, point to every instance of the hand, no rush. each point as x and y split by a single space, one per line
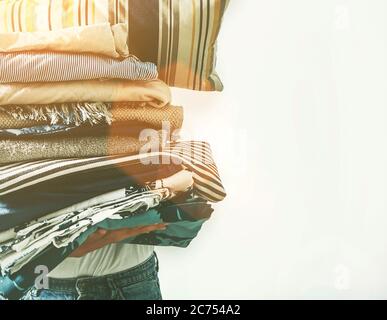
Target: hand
103 237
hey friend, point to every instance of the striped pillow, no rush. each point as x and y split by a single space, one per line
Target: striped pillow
179 36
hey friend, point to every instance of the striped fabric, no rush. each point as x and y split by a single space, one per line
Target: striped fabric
177 35
196 156
33 67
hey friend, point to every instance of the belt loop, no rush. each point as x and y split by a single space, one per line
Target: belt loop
79 292
157 261
116 293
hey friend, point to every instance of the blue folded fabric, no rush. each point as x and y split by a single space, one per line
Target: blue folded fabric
13 287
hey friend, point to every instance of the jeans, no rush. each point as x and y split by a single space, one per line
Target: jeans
138 283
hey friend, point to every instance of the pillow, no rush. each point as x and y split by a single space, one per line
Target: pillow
179 36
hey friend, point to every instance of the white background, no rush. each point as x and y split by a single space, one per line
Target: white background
299 135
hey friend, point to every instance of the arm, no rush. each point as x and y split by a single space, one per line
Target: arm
104 237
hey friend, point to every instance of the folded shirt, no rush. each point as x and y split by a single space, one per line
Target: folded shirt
91 113
54 67
98 39
153 93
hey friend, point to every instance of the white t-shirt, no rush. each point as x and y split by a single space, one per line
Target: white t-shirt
110 259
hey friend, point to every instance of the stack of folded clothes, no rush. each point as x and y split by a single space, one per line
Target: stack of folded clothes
87 141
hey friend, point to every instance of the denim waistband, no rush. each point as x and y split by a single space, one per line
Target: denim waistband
141 272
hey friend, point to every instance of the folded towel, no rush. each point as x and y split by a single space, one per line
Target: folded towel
154 93
99 39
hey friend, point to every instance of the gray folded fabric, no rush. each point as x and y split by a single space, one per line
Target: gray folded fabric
48 147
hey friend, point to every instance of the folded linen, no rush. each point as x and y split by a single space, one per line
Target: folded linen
98 39
17 117
153 93
33 67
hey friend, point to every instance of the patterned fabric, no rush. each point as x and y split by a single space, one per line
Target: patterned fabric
51 146
32 67
180 34
196 156
16 117
153 117
22 116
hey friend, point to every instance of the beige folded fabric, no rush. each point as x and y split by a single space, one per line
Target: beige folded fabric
154 93
98 39
69 147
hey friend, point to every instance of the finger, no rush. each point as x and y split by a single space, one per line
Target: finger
144 229
151 228
119 235
100 233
